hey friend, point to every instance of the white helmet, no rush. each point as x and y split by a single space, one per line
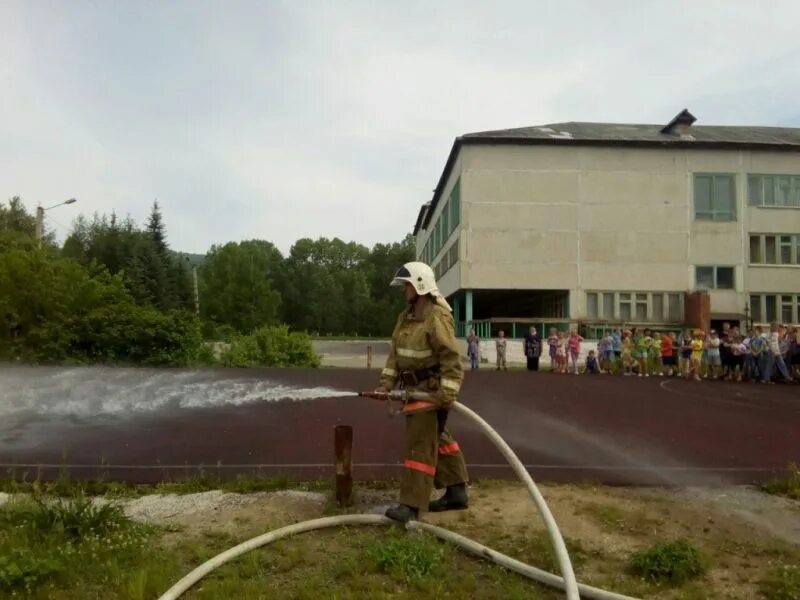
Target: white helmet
421 276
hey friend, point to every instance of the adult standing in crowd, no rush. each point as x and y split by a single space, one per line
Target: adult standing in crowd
474 350
533 348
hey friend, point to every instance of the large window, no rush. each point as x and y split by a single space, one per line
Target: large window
773 190
447 221
714 278
635 307
766 308
714 197
772 249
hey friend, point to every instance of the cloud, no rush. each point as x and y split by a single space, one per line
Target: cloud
282 120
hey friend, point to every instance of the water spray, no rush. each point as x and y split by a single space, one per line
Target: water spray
566 582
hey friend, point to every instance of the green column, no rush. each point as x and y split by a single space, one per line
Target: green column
468 315
513 330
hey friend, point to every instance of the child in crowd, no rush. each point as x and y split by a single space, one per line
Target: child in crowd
552 343
641 343
713 357
627 353
736 359
655 354
574 347
668 354
686 353
561 352
607 358
591 363
698 343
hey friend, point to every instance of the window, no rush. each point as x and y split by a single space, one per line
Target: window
755 308
641 307
637 307
675 310
704 277
592 305
786 250
455 205
787 309
710 278
625 307
773 190
608 305
766 308
658 306
755 249
769 254
775 249
771 304
446 220
714 198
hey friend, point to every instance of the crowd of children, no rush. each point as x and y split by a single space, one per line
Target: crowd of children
730 354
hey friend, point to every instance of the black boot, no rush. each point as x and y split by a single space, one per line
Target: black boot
402 513
455 498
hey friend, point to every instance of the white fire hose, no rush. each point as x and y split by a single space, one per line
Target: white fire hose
567 582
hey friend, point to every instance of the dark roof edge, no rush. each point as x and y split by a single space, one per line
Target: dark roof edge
448 166
490 140
420 215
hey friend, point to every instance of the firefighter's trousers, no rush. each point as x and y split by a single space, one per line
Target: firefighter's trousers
432 458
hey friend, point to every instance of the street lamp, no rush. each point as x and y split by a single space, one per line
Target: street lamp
40 218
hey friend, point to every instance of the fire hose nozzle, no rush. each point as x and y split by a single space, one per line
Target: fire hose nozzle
396 395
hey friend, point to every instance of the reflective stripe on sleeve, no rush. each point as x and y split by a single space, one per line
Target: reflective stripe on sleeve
412 406
451 384
418 466
409 353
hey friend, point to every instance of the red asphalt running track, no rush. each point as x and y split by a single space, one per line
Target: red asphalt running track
565 428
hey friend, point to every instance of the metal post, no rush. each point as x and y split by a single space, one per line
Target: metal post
369 356
343 447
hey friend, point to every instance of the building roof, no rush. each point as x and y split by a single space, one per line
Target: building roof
573 133
650 135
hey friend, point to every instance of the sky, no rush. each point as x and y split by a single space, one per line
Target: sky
280 120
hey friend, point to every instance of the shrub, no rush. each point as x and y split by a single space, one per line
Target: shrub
671 562
271 346
788 486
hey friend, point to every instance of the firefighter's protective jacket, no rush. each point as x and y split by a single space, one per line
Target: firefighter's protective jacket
425 343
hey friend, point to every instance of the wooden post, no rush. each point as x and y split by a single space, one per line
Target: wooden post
369 356
343 446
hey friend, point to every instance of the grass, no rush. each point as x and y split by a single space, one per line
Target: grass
788 485
782 583
48 548
669 562
65 486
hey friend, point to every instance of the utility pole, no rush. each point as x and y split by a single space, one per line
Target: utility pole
39 225
196 291
39 233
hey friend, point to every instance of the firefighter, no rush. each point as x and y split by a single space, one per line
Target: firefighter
424 356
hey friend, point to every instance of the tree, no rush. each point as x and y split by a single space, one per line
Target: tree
237 285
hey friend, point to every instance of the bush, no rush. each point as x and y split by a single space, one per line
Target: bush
272 346
670 562
409 557
782 583
788 486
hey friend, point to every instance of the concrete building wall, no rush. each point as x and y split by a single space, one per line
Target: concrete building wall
608 218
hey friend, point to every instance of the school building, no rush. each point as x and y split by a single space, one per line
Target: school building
603 225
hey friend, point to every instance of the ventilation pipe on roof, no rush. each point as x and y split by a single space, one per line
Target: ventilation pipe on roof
680 124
